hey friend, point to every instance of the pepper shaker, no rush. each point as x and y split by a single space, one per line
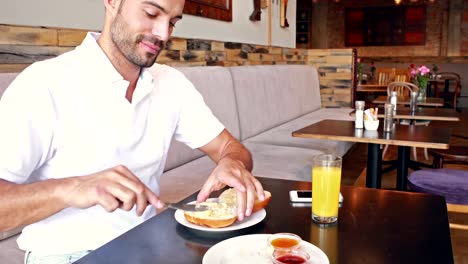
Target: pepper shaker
413 101
388 118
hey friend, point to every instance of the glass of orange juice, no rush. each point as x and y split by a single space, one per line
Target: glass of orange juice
326 180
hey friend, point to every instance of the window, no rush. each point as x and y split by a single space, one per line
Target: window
385 26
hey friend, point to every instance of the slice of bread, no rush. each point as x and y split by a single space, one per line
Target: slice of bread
219 215
230 198
223 212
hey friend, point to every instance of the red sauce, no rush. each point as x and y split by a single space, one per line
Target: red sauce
291 259
284 242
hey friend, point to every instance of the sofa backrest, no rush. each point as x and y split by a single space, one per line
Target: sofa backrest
215 85
5 80
270 95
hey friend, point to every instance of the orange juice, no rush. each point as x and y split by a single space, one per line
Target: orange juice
325 191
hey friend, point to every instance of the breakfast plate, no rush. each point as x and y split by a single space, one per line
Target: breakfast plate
253 249
255 218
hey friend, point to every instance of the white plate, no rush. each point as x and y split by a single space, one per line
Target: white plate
253 249
255 218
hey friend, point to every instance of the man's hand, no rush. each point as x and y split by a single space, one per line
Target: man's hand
233 173
113 188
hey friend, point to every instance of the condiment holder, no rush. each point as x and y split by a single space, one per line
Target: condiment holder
296 256
371 124
284 241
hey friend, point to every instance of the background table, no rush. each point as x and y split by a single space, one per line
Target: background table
371 88
374 226
402 136
423 113
429 101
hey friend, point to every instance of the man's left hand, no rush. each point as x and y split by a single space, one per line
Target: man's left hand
233 173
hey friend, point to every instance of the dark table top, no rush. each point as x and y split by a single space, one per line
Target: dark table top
405 100
374 226
402 135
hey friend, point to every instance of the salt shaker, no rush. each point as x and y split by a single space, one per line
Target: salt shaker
388 118
413 101
359 121
394 99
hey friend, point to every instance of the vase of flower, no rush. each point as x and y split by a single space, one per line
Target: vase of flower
420 76
422 93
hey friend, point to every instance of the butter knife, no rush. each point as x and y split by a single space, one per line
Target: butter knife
187 207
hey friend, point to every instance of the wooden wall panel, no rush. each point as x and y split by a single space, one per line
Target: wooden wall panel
21 46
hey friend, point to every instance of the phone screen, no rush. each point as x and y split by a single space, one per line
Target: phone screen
304 194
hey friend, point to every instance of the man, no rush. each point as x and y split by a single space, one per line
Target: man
85 137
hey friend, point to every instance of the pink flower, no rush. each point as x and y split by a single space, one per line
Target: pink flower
412 66
358 60
424 70
414 72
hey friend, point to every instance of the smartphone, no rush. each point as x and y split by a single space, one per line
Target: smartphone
303 196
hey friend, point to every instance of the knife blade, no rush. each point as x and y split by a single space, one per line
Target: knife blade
187 207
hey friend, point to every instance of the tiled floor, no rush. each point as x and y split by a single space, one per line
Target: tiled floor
354 174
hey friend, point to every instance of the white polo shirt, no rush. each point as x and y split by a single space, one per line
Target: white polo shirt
68 116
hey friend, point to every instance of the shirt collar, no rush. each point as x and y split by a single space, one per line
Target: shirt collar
102 66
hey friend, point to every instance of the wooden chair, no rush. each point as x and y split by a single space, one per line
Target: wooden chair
448 87
452 184
402 75
385 75
453 155
404 89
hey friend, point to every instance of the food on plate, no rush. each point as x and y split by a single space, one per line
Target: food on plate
230 198
223 212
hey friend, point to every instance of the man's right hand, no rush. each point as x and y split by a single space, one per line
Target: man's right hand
113 188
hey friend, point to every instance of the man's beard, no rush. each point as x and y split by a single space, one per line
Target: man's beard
127 43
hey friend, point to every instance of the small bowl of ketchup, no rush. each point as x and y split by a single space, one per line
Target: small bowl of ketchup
284 241
296 256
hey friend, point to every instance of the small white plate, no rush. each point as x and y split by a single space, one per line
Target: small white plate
253 249
255 218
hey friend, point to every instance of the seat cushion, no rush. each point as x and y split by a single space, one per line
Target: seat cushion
270 95
9 251
280 162
452 184
281 135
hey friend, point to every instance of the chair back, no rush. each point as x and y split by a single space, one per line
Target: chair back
402 88
449 87
402 75
385 75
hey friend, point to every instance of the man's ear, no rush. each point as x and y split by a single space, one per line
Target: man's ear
112 6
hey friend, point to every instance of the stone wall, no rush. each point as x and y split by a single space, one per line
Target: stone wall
21 46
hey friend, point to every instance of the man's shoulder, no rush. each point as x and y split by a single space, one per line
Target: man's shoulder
52 66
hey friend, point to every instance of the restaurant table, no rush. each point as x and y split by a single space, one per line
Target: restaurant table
371 88
421 113
424 113
405 100
402 136
374 226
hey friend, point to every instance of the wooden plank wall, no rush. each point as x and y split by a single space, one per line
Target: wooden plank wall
21 46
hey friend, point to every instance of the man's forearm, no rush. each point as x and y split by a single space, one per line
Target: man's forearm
23 204
235 150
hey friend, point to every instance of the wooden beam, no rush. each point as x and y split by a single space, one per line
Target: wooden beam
454 27
16 35
13 54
